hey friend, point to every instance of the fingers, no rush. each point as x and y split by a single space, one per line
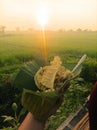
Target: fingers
56 105
60 98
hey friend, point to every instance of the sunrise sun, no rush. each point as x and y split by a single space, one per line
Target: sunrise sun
42 15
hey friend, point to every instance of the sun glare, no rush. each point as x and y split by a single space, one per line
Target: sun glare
42 15
49 14
42 19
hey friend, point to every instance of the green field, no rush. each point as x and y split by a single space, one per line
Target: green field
17 49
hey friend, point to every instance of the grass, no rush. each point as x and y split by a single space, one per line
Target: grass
16 49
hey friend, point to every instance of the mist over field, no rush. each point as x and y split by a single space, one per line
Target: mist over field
21 47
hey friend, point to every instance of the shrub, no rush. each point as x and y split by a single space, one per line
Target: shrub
89 71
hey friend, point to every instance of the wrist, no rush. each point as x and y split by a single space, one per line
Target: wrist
37 124
30 123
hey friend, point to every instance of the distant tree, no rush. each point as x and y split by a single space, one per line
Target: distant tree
17 29
70 30
61 30
86 30
2 29
30 29
79 30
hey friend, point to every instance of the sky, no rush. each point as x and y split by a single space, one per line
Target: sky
53 14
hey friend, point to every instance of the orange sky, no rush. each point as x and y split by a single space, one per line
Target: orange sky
67 14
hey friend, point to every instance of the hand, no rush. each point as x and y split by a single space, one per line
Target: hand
59 99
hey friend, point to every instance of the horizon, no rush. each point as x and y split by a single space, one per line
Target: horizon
62 14
39 30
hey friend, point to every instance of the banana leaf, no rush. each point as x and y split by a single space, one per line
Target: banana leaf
37 104
25 77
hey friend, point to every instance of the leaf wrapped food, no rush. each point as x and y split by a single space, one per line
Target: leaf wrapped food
42 86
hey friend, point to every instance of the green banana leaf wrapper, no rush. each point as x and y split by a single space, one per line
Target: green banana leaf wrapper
37 102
